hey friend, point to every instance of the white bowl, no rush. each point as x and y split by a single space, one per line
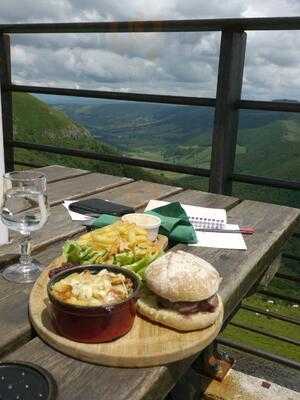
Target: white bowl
150 223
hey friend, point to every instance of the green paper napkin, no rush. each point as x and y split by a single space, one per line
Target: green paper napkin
175 223
103 220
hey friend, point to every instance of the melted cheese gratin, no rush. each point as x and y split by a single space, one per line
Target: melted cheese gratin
87 289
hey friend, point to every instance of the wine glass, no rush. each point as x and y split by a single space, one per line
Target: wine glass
24 208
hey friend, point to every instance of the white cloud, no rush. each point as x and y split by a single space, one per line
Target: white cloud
173 63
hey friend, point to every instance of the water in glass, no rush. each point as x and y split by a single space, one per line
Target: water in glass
24 208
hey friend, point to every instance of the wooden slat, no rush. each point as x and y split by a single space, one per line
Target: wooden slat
14 329
230 80
193 25
57 227
205 199
7 288
78 380
124 160
6 127
75 187
101 94
44 256
137 194
82 186
56 173
284 106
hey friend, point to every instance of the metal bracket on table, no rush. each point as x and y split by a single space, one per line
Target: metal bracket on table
213 363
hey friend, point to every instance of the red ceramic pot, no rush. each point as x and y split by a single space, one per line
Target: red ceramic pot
94 324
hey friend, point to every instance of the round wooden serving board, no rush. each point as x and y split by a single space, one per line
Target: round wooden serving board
147 344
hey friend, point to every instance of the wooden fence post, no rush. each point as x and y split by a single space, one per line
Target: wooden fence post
230 79
6 133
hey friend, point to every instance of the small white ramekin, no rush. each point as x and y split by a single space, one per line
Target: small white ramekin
150 223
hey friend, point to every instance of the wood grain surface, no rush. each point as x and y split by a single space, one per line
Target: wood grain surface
56 173
78 380
82 185
204 199
147 344
73 187
137 194
58 226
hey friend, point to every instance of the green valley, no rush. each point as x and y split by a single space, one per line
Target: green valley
35 121
268 142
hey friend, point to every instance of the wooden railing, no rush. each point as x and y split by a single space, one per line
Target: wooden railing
227 103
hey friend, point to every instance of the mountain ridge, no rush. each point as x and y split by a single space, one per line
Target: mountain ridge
36 122
267 143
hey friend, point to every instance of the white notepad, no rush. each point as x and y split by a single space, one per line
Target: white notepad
209 218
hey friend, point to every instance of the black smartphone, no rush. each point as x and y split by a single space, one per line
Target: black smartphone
95 207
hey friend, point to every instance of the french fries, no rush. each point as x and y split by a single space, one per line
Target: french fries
119 237
122 244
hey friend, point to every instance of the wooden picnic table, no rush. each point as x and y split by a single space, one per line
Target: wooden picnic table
240 270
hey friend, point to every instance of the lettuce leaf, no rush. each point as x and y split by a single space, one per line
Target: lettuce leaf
76 253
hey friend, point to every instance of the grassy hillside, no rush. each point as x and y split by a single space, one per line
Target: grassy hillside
268 142
36 122
129 125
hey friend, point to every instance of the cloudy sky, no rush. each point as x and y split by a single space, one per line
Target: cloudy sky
169 63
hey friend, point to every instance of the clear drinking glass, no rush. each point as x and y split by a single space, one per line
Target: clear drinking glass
24 208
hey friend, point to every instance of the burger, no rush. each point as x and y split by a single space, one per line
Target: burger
181 292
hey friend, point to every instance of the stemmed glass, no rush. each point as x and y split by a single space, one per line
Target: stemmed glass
24 208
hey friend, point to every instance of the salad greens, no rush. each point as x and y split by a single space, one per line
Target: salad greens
136 261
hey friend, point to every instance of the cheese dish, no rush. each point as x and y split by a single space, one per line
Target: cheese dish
93 289
93 303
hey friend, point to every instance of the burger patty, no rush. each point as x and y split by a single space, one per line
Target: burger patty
190 307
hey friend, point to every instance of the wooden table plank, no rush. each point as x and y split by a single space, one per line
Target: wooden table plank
78 380
72 188
138 193
58 226
56 173
205 199
7 288
241 269
14 329
82 186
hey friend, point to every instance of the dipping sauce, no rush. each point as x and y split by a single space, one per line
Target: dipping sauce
150 223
